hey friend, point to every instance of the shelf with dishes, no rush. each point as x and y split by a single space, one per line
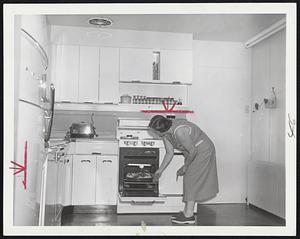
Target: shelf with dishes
121 107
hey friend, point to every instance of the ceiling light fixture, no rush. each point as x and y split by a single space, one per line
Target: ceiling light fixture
100 22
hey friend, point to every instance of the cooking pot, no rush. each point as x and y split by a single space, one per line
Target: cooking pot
82 130
125 99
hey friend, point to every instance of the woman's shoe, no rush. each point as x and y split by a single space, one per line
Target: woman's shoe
176 215
182 219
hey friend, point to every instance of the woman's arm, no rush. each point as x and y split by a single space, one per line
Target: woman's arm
168 156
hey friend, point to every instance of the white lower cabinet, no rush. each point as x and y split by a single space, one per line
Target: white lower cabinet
107 180
84 180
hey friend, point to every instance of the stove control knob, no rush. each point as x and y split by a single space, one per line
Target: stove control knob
126 143
152 143
143 143
134 143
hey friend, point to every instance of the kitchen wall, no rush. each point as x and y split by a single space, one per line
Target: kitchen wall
104 122
220 96
266 177
90 36
268 125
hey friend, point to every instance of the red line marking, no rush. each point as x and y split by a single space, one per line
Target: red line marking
25 166
174 104
164 104
15 163
14 168
18 171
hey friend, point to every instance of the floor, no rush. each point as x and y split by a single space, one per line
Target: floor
207 215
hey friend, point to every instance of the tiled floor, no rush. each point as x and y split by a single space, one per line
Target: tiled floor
207 215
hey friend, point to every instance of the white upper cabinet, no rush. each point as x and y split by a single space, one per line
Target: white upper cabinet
176 66
85 73
109 75
136 64
65 72
88 74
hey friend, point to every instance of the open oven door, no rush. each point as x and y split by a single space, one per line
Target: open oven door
140 204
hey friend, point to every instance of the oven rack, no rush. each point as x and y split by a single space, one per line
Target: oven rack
138 180
141 189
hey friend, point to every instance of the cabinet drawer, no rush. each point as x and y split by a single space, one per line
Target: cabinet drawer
97 148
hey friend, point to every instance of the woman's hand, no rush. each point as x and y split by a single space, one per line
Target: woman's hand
181 171
156 176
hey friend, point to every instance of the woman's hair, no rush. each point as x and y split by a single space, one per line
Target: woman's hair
160 123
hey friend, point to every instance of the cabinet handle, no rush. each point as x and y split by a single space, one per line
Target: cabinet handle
85 160
88 102
176 82
108 103
106 161
135 81
142 202
178 153
98 153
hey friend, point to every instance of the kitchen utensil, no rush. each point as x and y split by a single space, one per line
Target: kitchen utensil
82 130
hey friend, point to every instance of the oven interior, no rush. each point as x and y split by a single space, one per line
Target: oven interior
137 167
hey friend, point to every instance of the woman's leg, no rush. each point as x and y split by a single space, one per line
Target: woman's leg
189 208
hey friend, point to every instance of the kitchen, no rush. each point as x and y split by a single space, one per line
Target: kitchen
87 85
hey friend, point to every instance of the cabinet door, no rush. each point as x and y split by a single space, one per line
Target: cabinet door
88 74
136 64
84 180
176 66
107 180
66 72
109 75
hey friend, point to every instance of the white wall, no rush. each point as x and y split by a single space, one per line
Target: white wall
220 97
267 181
268 125
120 38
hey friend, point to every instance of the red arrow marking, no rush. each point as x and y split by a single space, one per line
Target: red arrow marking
15 163
20 168
174 104
164 104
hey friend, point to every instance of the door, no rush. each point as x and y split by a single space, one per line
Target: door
168 185
136 64
66 72
107 180
109 75
88 74
176 66
84 180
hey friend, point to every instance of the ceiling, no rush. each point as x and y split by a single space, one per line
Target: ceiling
216 27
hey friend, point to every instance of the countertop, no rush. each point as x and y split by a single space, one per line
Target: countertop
56 141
